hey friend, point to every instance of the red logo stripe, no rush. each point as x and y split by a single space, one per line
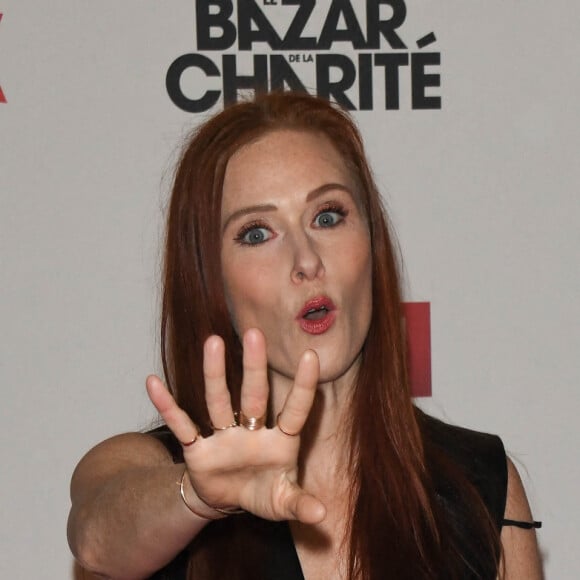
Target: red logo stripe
418 330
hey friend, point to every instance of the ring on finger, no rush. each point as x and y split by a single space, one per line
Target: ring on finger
189 443
252 423
234 423
284 430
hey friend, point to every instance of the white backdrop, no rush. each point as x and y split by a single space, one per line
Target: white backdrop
482 193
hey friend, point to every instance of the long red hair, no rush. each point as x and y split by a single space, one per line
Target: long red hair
394 530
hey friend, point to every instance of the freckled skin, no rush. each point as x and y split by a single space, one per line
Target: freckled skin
300 257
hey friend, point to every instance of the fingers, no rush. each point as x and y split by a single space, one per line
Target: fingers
254 398
301 397
175 418
217 395
306 508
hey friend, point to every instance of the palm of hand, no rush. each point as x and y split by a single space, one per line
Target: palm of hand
256 470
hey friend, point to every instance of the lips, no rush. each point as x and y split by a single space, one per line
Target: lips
317 315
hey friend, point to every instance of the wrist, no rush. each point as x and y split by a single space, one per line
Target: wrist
199 507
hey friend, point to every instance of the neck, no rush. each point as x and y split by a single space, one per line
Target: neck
325 437
332 397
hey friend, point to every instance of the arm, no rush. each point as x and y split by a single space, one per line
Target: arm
125 497
521 557
128 519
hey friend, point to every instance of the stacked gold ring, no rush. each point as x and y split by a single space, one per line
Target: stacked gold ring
252 423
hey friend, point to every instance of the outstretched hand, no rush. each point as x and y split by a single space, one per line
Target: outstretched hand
256 470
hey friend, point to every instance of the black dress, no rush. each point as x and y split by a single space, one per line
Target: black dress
481 457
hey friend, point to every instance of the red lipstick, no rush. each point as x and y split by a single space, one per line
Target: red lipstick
317 315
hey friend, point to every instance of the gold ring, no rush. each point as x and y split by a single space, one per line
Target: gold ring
189 443
283 430
234 423
252 423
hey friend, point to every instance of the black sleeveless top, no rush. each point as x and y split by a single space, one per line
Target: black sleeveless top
480 456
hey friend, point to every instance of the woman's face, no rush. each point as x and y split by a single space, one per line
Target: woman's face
296 256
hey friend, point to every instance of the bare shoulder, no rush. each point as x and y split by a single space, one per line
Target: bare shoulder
521 556
118 453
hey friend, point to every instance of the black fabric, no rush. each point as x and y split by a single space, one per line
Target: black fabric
480 457
281 562
523 525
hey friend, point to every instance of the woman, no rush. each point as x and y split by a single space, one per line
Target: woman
281 301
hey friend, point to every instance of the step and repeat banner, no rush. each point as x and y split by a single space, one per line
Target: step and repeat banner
469 112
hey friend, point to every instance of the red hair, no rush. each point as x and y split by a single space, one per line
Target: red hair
395 529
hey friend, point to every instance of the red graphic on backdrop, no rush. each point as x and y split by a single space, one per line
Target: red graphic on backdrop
2 97
418 330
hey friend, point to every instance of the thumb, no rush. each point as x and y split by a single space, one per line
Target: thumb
306 508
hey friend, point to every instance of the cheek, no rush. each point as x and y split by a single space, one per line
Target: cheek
355 260
249 291
358 278
365 285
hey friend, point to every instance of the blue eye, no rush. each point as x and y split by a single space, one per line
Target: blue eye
328 219
254 236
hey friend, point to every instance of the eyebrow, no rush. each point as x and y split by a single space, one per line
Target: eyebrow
317 192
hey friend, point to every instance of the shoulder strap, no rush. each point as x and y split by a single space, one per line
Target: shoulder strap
523 525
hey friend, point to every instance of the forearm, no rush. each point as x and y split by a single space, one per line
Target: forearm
127 518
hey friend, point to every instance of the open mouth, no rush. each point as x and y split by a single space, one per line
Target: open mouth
317 315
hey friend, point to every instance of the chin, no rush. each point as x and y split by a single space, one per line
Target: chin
333 372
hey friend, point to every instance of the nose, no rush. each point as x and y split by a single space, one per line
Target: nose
308 263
